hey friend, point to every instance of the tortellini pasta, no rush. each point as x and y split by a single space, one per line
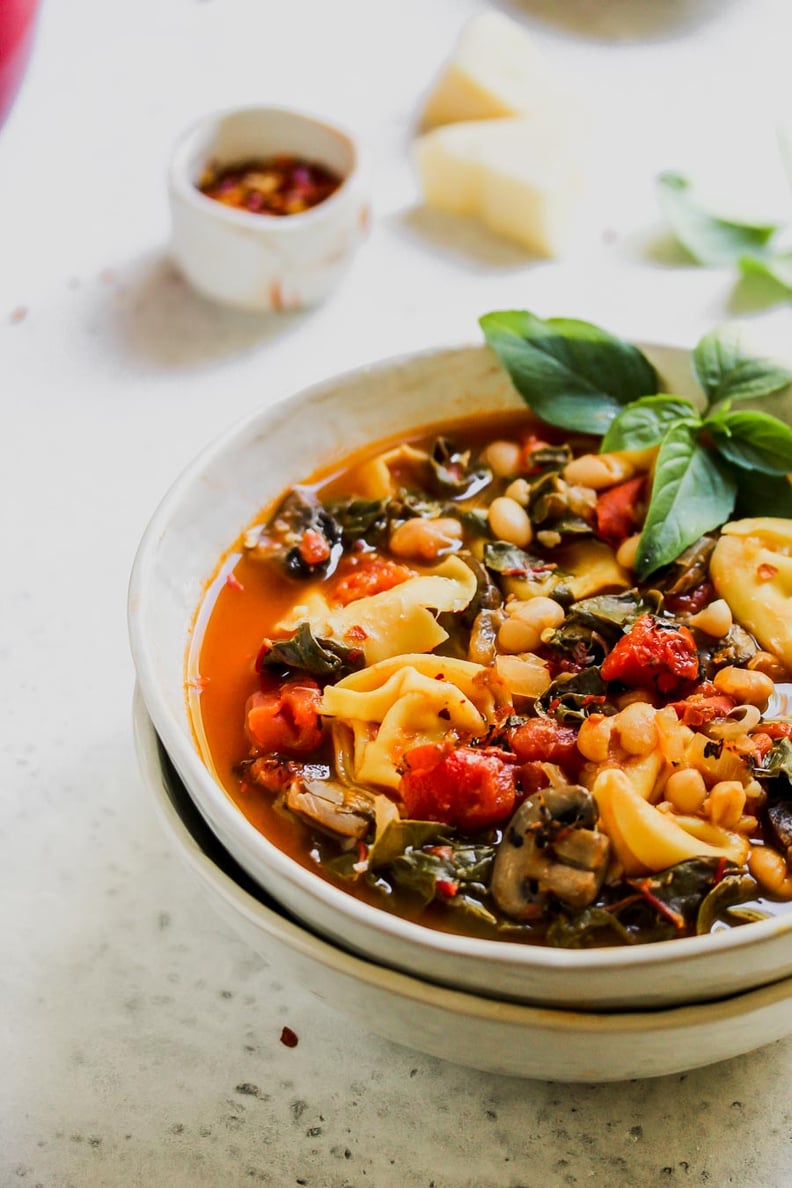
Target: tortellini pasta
751 567
395 622
400 703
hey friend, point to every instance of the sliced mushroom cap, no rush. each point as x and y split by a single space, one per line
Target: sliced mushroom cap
550 846
331 806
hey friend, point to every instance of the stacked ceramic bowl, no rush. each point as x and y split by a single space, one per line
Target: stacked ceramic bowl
586 1015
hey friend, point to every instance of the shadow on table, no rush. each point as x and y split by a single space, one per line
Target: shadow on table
620 20
159 319
461 239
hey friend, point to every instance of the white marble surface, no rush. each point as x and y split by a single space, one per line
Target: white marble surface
140 1041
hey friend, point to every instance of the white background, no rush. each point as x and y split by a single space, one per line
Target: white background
128 1014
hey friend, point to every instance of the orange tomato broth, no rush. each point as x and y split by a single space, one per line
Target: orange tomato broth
233 621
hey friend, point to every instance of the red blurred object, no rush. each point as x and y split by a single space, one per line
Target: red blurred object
17 25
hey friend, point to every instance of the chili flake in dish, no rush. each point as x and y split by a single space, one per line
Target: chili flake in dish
451 679
279 185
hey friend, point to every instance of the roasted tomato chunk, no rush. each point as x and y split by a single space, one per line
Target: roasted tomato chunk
285 717
619 510
653 655
702 705
545 740
363 576
463 787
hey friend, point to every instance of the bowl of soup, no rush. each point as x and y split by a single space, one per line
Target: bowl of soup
390 635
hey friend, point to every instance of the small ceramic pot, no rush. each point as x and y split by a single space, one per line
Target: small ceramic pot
260 261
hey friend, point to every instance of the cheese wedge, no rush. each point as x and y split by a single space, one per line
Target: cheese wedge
521 177
495 70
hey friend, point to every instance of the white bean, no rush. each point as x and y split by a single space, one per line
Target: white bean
510 522
503 457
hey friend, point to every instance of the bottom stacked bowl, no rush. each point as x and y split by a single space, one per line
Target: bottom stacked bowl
494 1036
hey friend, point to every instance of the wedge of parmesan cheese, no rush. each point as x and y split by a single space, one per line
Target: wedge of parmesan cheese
495 70
521 177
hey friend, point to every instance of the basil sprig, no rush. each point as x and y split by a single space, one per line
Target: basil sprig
572 374
576 376
707 237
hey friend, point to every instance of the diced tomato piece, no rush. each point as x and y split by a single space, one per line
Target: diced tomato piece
757 746
778 730
367 575
285 717
529 446
545 740
702 705
463 787
314 548
653 655
619 511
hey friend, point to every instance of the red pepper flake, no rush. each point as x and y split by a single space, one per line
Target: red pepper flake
448 887
198 683
281 185
289 1038
18 315
233 581
356 632
766 572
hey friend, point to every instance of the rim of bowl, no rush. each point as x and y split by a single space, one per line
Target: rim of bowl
178 741
309 943
182 183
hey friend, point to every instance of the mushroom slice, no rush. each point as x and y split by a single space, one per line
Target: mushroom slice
550 845
332 807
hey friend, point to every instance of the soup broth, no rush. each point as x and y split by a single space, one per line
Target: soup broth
430 677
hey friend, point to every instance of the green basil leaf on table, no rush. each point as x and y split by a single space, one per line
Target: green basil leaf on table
753 441
708 238
776 268
727 370
571 373
645 422
693 491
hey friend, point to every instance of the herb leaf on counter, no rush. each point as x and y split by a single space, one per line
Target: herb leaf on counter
776 268
710 239
571 373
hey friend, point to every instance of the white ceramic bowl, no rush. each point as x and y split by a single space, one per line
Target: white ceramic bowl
265 262
204 512
497 1037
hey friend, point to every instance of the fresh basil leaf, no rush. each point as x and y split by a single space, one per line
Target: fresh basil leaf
727 370
763 494
753 441
571 373
776 268
708 238
693 492
644 423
